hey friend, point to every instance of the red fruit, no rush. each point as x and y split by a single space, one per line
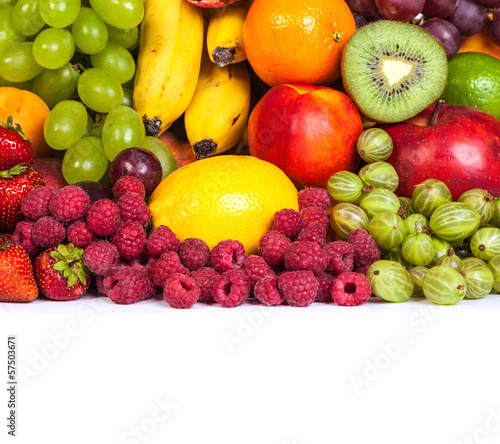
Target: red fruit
366 250
351 289
79 234
133 208
231 288
69 203
167 264
272 247
103 217
314 197
460 146
61 274
23 236
36 203
289 222
298 287
15 147
325 283
48 232
266 291
211 3
306 255
130 239
227 255
162 240
194 253
125 285
51 172
17 281
314 233
308 131
340 257
205 278
100 257
127 184
317 216
14 185
256 267
180 291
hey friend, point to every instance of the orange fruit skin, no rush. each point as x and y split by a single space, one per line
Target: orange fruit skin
29 111
308 131
481 42
297 42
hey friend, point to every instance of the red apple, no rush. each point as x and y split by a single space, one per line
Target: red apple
458 145
211 3
308 131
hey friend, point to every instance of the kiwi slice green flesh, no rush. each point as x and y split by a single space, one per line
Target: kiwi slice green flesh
393 70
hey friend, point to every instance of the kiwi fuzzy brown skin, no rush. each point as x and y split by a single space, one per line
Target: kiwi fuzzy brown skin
410 94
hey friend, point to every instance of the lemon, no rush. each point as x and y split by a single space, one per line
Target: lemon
474 80
223 197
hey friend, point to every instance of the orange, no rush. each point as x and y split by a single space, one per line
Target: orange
297 41
481 42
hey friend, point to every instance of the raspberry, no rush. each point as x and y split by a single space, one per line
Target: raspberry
162 240
194 253
255 268
314 197
340 257
316 215
99 280
313 233
69 203
48 232
22 236
362 269
79 235
227 255
272 246
325 282
298 287
103 217
289 222
126 184
144 265
167 264
266 291
366 250
306 255
351 289
100 257
36 203
130 239
205 278
231 288
180 291
124 285
133 208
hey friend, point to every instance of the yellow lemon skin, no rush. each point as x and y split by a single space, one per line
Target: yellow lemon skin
223 197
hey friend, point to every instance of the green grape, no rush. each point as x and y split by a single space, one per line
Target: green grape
485 243
479 279
162 152
99 91
418 249
128 97
346 217
390 281
418 273
17 64
7 2
85 160
116 61
8 33
482 201
444 286
55 85
428 195
388 230
374 145
97 127
451 260
379 201
345 186
26 86
379 175
440 248
89 128
27 19
89 31
405 207
123 128
65 124
494 266
127 38
53 48
454 221
415 223
59 13
394 254
118 13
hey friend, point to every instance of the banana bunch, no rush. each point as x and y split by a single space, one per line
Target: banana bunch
176 73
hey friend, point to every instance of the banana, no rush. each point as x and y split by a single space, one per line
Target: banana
225 33
170 48
216 118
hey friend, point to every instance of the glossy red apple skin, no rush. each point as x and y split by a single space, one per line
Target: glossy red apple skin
211 3
308 131
462 149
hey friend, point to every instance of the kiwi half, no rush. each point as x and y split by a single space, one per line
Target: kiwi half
393 70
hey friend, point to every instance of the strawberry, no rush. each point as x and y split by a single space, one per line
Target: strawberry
61 274
17 281
15 147
14 185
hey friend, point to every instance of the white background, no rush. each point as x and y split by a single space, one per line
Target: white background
91 371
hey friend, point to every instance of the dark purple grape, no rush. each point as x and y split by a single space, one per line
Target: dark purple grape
445 32
439 8
468 17
489 3
495 27
137 162
401 10
366 8
359 19
96 190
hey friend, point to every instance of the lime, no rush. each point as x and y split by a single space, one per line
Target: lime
474 80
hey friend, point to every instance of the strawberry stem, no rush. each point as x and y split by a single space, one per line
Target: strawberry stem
16 170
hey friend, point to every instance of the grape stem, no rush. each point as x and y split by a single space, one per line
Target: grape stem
435 112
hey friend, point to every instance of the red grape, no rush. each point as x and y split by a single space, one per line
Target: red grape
439 8
446 32
468 17
366 8
495 27
359 19
96 190
489 3
401 10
